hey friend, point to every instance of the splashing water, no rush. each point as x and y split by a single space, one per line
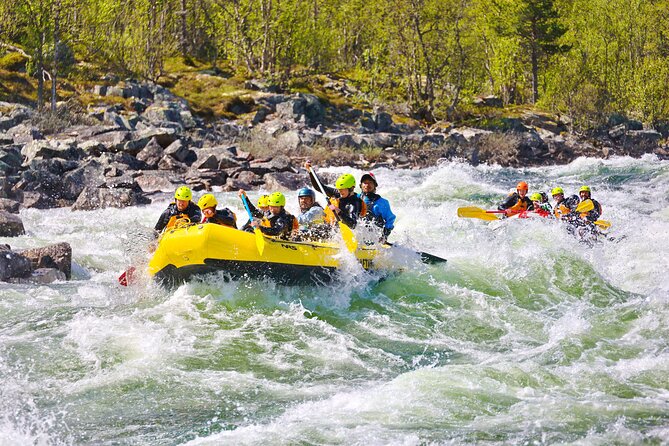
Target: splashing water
525 336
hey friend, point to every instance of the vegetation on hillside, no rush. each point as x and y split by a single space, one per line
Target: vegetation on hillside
584 59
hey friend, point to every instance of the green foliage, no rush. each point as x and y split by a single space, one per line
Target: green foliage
583 58
13 62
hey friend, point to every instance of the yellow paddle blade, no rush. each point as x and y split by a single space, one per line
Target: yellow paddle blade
604 224
474 212
348 236
585 206
260 240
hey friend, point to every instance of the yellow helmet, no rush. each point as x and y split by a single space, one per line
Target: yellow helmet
536 196
207 201
557 190
345 181
183 193
584 189
262 201
276 199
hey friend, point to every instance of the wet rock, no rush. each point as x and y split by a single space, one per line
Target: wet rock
280 163
95 198
43 276
57 256
10 206
10 225
13 265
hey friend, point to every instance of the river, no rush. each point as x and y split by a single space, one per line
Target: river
524 336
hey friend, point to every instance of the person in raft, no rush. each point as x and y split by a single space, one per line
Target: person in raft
378 208
210 214
517 201
181 207
311 218
565 208
280 223
345 204
261 211
541 207
592 216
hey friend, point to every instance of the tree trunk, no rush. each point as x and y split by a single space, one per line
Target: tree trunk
535 75
54 68
183 37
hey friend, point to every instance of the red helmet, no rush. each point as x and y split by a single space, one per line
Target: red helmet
369 176
522 186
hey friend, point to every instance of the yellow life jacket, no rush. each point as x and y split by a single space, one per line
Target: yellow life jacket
331 218
561 210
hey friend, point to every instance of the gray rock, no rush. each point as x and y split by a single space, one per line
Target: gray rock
22 134
96 198
10 225
57 256
155 181
283 181
383 122
169 163
10 206
43 276
13 264
338 140
151 154
280 163
180 152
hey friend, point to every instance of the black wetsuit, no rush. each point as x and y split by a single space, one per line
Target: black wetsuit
350 207
257 213
192 212
281 225
514 202
223 217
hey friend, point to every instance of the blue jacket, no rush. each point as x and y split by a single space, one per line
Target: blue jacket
378 211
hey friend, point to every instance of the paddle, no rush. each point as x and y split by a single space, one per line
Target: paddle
346 232
481 214
260 239
425 257
126 278
585 206
604 224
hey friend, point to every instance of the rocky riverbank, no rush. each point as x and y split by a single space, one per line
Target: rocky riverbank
116 157
147 140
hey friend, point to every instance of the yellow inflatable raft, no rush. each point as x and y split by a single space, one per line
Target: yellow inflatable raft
204 248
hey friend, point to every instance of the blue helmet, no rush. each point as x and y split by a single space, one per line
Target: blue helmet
306 192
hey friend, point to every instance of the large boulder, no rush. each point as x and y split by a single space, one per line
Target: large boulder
8 205
156 181
286 181
13 264
10 225
95 198
58 256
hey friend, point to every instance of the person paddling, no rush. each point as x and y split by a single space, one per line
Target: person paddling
225 216
378 208
280 223
593 215
517 201
344 202
261 211
181 207
565 208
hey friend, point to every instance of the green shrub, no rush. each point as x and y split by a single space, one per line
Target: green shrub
13 62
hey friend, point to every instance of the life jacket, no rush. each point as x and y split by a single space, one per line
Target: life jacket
522 204
269 222
566 207
330 216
